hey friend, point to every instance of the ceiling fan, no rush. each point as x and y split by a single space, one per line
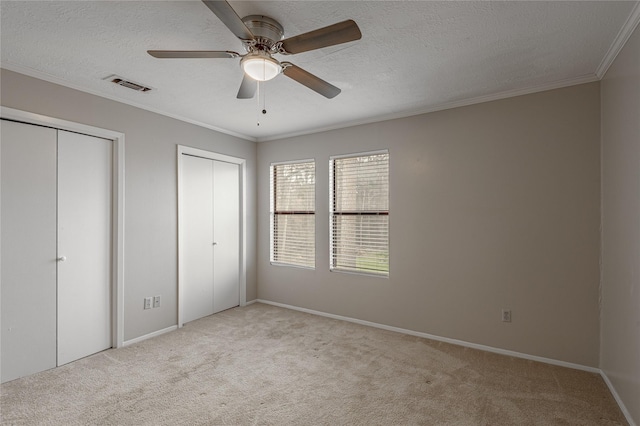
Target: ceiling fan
262 37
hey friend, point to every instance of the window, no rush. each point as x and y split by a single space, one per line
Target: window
293 204
359 212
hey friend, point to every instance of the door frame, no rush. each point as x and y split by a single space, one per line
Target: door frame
117 208
242 273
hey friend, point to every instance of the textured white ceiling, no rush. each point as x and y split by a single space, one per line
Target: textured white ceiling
414 56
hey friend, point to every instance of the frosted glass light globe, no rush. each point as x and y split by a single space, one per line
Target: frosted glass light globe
260 67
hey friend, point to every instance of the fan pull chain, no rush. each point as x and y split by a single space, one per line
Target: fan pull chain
258 98
264 102
264 95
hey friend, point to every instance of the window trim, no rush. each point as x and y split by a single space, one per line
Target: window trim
332 203
272 211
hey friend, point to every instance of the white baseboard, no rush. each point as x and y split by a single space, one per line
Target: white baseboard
150 335
251 302
440 338
613 391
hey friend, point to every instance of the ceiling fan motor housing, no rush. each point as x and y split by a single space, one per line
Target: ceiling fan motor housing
267 32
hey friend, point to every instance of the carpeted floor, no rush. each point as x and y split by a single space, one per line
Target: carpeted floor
267 365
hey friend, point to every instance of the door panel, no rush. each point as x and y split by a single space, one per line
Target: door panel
28 228
84 239
226 234
197 242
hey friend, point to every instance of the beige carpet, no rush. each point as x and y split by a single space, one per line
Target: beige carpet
266 365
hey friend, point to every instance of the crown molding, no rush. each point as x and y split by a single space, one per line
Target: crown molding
620 40
589 78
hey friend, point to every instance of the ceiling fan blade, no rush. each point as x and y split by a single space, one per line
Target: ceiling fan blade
247 87
341 32
311 81
230 18
192 54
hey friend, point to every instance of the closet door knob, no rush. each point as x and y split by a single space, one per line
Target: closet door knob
62 258
215 243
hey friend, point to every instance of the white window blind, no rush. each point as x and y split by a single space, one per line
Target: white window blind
293 204
360 213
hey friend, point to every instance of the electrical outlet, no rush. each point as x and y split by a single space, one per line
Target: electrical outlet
147 302
156 301
506 315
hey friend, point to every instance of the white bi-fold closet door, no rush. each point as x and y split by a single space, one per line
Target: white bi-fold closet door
210 236
56 247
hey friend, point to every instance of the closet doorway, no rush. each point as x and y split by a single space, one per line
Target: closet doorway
211 233
62 228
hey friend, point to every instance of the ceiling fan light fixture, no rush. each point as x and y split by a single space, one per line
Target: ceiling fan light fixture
260 67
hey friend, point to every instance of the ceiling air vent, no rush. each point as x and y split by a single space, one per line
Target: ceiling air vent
128 83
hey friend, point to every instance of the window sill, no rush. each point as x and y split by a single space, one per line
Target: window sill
366 274
288 265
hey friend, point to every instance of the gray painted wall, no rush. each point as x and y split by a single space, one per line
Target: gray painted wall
492 206
620 315
150 188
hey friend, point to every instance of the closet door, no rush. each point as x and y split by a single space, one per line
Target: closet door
28 229
197 228
84 245
226 234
